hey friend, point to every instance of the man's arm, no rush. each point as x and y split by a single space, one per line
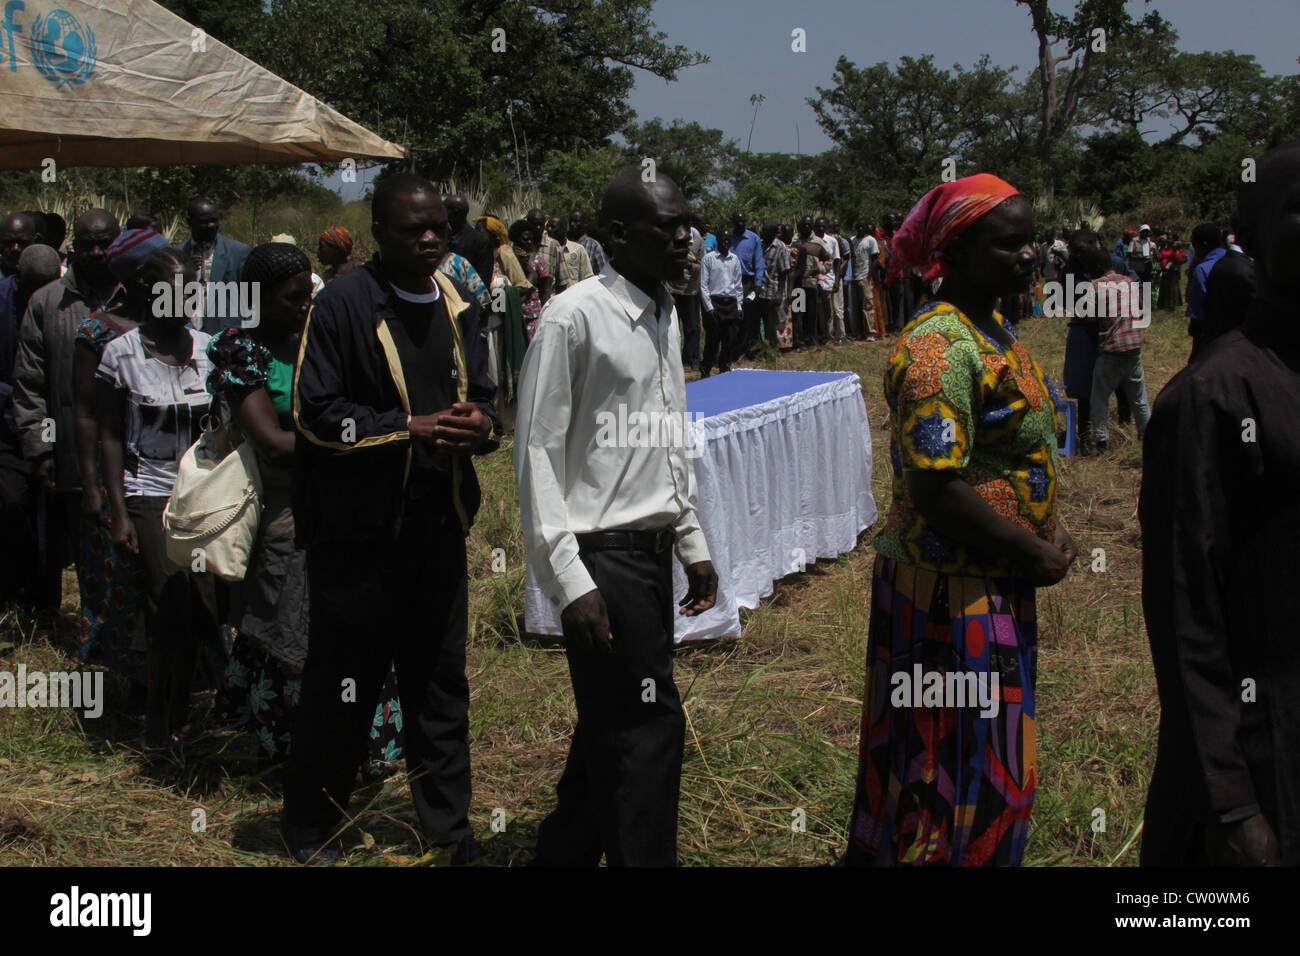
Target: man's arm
757 252
541 436
691 548
323 412
30 384
1192 499
481 389
706 282
1196 294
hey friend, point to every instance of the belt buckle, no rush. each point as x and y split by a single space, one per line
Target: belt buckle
664 540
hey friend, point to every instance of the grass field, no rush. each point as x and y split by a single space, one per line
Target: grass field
772 718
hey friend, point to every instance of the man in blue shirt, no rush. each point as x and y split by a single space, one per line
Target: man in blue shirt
748 248
1207 244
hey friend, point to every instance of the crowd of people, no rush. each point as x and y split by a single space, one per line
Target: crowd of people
365 393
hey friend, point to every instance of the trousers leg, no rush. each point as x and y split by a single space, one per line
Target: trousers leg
688 312
431 632
711 343
729 333
348 653
619 792
17 525
728 318
804 317
1104 381
748 337
768 313
1134 386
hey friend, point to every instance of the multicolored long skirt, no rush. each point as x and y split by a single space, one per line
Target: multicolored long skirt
947 756
112 600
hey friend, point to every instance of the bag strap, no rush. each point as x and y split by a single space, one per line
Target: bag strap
235 510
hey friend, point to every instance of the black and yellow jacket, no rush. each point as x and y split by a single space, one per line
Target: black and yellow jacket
350 408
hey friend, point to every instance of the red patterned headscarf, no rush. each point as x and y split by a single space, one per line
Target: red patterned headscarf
338 236
941 216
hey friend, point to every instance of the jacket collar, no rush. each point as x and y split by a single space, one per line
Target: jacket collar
374 266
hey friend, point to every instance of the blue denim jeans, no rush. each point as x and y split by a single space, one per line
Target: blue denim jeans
1123 370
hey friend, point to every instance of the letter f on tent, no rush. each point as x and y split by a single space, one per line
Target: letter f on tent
11 28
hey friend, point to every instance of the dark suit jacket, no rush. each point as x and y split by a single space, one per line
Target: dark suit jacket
227 263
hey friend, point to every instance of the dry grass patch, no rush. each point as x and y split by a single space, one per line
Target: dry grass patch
772 718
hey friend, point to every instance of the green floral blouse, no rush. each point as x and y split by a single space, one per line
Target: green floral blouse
959 400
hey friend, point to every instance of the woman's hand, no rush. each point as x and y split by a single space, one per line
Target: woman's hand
92 505
124 534
1063 541
1049 563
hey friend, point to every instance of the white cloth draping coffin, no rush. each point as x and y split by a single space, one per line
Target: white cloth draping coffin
782 483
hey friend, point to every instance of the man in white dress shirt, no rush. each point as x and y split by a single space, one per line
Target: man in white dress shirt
602 514
721 289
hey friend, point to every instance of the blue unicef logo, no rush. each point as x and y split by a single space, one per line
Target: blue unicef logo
63 48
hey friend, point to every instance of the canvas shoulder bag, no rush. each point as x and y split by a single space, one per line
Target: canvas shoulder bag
216 505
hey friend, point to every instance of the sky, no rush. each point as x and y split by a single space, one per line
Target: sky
749 42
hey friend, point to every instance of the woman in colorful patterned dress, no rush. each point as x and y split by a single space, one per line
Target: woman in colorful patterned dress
112 603
947 756
252 384
150 405
527 251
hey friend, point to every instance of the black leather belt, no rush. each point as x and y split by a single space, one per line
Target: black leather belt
655 542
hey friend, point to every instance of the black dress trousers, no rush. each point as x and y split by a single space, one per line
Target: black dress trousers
372 604
618 794
721 330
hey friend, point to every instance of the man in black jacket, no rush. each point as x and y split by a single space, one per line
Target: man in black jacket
391 398
1220 561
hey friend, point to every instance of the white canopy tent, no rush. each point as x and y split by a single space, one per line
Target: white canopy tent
129 83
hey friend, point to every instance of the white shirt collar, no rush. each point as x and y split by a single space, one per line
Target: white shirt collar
635 303
421 299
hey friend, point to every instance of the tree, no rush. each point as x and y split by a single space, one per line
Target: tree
902 123
577 180
1130 84
1211 93
1116 169
1082 38
693 156
459 82
234 22
772 187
